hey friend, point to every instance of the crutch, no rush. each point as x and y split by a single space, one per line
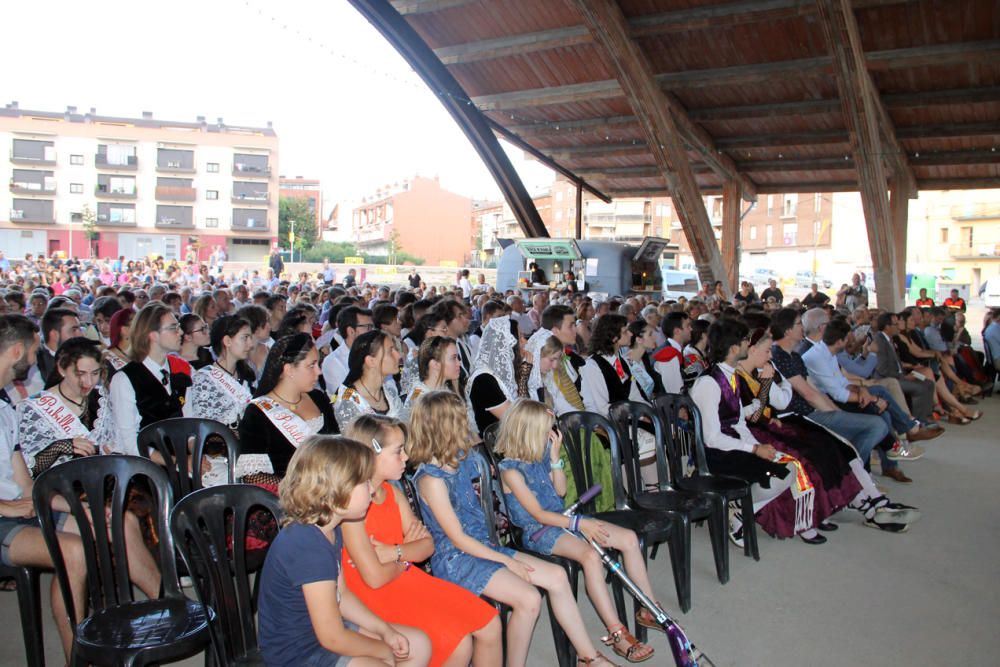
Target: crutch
685 653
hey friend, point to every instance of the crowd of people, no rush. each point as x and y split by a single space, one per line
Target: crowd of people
337 389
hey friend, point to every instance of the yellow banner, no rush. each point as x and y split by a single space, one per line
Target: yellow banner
354 260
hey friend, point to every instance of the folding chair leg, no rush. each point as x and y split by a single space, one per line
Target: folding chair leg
680 561
29 604
750 547
718 530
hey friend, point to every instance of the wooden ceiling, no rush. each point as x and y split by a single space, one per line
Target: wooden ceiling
751 87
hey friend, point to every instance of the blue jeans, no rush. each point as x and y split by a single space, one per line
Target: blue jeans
861 430
895 416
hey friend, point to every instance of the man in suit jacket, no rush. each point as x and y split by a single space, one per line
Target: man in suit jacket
920 393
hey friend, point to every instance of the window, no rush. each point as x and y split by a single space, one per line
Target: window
770 205
559 215
76 217
769 235
76 188
944 235
76 159
753 232
212 167
818 203
789 233
211 222
211 194
559 196
788 205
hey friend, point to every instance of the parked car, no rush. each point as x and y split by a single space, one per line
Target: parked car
990 292
805 279
678 283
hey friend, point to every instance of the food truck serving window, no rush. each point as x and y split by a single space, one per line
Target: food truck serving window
549 249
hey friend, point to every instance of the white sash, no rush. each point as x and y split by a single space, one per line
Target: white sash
228 384
55 413
117 363
293 427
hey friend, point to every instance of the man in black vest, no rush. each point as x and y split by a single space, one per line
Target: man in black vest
606 376
147 390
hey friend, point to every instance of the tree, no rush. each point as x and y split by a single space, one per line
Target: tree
90 228
292 208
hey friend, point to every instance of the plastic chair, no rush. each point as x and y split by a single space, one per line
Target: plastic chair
685 506
489 481
209 527
29 604
683 422
120 630
170 438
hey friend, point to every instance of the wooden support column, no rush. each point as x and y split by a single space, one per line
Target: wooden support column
731 230
579 212
607 25
900 206
862 121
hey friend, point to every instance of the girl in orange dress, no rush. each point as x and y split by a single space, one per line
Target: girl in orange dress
378 555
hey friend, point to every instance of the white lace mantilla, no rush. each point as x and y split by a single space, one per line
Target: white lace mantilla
495 357
534 346
207 399
37 430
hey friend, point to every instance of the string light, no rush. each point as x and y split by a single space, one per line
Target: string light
416 83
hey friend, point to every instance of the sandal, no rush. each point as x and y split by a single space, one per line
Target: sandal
645 618
590 661
621 634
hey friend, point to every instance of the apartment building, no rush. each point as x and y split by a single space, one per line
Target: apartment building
416 216
309 190
144 186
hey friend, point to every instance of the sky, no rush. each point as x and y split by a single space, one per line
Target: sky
346 107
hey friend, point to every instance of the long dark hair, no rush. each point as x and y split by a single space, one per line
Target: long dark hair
423 325
366 345
288 350
230 325
70 352
722 335
292 320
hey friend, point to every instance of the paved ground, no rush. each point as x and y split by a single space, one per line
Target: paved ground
927 597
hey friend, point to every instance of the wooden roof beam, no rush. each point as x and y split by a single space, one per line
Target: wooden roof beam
609 29
937 54
925 184
682 20
408 7
863 123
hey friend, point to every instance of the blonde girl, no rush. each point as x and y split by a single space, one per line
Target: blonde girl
463 552
460 625
307 617
534 483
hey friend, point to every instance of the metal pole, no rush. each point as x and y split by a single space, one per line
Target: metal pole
579 211
291 244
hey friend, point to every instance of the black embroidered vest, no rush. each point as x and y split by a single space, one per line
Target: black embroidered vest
618 390
150 397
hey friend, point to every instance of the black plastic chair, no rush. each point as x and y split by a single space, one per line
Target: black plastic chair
685 506
683 421
29 604
120 630
209 528
489 488
170 438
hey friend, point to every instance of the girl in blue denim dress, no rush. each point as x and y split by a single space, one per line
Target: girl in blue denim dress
534 484
463 552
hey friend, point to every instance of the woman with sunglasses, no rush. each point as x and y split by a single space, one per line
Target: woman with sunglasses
439 367
368 387
287 410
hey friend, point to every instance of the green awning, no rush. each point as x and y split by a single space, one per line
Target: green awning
549 249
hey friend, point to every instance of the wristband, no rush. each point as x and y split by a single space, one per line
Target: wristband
558 465
399 555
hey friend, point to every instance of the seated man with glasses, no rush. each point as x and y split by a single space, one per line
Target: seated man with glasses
352 321
148 389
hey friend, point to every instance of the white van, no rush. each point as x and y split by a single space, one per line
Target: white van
990 293
678 283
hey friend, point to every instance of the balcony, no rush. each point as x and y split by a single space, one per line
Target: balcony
22 216
173 167
131 164
175 193
28 161
26 188
173 223
246 200
974 251
975 212
112 221
106 192
251 171
251 224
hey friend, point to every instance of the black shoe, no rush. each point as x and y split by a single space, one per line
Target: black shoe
818 539
828 526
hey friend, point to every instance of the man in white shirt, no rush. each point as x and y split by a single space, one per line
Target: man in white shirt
150 388
466 286
352 321
669 361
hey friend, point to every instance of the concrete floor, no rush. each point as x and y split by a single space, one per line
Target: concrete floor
927 597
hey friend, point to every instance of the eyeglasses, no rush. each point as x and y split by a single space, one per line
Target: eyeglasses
364 327
198 330
173 328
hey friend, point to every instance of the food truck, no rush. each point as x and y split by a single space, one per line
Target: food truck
608 268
